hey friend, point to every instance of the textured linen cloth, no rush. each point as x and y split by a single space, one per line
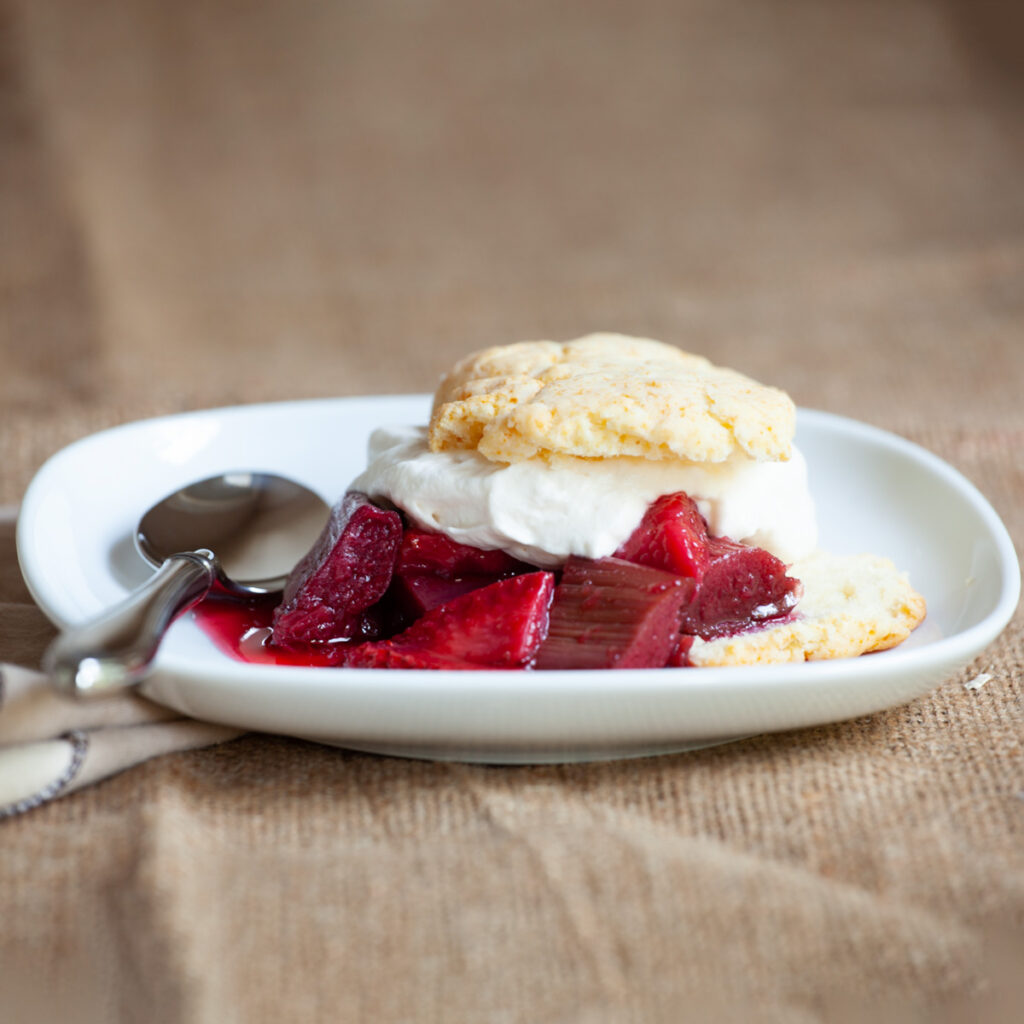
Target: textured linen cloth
212 203
51 745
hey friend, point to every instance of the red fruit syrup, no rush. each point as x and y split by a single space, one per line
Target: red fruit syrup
242 630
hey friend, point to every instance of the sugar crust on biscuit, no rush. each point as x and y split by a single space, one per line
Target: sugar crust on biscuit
851 605
607 395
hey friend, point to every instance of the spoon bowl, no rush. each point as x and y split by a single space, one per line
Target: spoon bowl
239 533
259 525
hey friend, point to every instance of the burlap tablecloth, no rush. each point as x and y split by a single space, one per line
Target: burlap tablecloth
210 203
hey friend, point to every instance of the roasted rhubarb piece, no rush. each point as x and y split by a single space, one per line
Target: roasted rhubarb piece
330 593
497 626
610 613
433 569
738 585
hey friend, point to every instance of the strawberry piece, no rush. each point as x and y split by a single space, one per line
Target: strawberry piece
436 554
610 613
415 595
329 594
738 586
672 536
433 569
385 654
500 625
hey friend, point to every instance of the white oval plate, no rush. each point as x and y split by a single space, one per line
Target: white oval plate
875 492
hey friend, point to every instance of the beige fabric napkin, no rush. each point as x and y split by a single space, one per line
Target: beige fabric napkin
51 745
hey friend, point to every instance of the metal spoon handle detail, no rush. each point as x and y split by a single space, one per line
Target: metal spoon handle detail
113 652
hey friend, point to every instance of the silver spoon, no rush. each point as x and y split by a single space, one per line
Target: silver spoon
259 524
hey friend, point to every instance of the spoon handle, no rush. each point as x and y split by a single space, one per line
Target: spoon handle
113 652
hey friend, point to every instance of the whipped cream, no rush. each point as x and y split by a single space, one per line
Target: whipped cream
542 510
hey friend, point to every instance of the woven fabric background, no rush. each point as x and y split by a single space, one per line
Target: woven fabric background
215 203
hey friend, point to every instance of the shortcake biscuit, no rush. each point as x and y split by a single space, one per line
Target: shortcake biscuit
607 395
851 605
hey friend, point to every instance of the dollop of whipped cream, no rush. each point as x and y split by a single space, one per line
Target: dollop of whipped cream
542 510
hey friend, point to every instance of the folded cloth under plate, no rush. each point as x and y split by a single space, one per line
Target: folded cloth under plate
51 745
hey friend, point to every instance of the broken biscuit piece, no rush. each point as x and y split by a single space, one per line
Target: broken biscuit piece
851 605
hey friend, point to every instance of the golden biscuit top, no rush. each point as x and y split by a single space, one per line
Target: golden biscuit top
607 395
